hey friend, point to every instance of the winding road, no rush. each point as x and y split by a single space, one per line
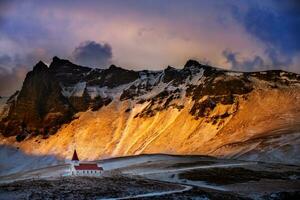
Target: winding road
185 187
152 194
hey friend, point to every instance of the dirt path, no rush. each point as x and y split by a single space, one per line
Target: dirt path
152 194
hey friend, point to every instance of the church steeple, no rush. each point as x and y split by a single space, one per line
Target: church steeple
75 157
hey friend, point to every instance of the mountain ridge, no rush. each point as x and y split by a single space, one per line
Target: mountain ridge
194 110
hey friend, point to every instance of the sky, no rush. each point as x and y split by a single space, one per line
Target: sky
148 34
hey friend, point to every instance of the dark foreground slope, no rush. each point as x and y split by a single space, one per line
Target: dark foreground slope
161 177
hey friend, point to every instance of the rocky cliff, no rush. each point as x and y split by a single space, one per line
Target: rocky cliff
50 96
198 109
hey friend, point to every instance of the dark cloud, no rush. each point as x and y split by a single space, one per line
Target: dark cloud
13 70
253 64
11 80
93 54
153 33
278 25
272 61
4 6
5 60
21 27
278 61
24 31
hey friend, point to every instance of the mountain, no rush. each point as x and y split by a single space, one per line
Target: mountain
198 109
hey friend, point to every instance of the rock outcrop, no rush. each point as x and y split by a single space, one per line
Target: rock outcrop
198 109
39 106
50 96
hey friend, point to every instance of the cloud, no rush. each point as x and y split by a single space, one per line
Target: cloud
11 74
277 60
277 25
152 33
272 60
13 69
237 63
93 54
10 80
5 60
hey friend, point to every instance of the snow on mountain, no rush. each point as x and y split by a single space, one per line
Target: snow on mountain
195 110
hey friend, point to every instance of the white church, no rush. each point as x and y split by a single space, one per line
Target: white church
79 168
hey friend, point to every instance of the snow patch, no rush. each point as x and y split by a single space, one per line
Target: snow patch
95 91
234 73
76 90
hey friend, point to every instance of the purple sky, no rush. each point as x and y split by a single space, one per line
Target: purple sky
148 34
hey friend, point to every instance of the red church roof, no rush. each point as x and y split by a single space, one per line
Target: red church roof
88 167
75 157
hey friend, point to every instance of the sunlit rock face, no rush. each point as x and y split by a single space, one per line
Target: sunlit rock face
50 96
198 109
38 105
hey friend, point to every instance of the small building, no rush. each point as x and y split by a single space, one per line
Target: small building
79 168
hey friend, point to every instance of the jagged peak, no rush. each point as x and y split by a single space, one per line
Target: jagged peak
40 66
114 67
191 63
55 59
169 68
56 62
65 65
